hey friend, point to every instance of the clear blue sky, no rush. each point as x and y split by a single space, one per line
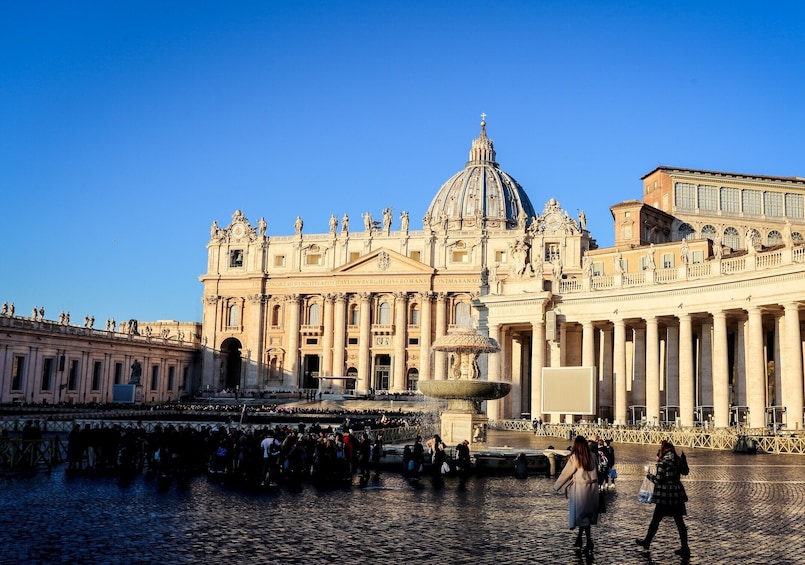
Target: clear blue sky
126 128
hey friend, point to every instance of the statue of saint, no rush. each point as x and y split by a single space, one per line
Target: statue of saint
617 261
345 224
684 252
136 373
333 224
261 227
297 225
386 220
582 220
404 222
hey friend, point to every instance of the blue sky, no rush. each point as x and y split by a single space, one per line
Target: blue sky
126 128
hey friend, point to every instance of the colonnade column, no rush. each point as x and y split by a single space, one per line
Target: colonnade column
721 390
400 337
686 392
605 393
426 324
365 341
587 344
537 363
494 362
792 367
619 371
755 369
672 367
706 365
290 377
652 371
340 334
326 368
440 357
639 364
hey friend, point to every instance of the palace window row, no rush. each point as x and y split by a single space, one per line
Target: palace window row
750 202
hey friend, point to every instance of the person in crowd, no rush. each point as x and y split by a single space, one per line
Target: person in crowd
377 454
669 496
579 478
463 462
603 463
418 457
438 456
612 474
364 457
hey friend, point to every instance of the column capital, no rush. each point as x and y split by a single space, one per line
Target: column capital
292 298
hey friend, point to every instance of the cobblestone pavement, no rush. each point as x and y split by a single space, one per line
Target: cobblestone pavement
743 509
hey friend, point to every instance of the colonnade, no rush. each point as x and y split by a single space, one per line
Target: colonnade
736 366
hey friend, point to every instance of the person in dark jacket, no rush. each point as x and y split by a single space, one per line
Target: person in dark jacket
669 496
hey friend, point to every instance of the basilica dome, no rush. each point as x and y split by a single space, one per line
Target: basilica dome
480 196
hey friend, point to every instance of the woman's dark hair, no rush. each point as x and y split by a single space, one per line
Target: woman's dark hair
581 450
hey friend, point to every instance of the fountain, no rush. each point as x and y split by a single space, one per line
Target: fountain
464 390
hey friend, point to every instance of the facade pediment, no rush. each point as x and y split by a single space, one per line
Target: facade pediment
384 262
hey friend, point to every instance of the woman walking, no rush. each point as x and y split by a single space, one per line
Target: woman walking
582 492
669 496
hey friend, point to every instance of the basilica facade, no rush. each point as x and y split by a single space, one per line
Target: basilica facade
691 317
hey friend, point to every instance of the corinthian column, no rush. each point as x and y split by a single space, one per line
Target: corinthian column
365 343
339 334
537 363
327 337
400 337
440 357
426 325
290 377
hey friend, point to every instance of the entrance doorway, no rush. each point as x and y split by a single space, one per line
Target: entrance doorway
230 364
382 372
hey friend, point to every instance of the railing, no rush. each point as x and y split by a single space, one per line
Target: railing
18 454
721 438
666 275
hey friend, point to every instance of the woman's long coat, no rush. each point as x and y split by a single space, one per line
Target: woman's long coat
583 493
669 494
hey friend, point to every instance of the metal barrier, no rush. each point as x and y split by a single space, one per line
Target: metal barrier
18 454
720 438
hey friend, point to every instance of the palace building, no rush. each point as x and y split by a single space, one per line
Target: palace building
692 317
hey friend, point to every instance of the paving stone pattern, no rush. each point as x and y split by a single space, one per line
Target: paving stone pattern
743 509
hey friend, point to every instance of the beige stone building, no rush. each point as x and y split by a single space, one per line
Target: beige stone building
56 361
693 316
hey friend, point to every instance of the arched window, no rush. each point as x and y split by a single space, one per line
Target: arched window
796 236
685 231
275 315
233 315
384 314
314 315
732 239
354 315
774 238
709 232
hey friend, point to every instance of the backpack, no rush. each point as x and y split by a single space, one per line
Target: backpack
603 462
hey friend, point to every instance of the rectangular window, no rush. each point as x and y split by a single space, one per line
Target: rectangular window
279 260
97 367
236 258
353 255
598 269
551 252
644 263
311 341
171 377
667 260
413 341
72 377
500 256
685 195
708 197
17 368
752 202
730 200
794 206
414 317
460 257
313 259
773 204
697 257
154 377
416 255
118 373
352 341
48 363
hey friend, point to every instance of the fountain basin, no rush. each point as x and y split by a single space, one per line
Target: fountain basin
465 390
